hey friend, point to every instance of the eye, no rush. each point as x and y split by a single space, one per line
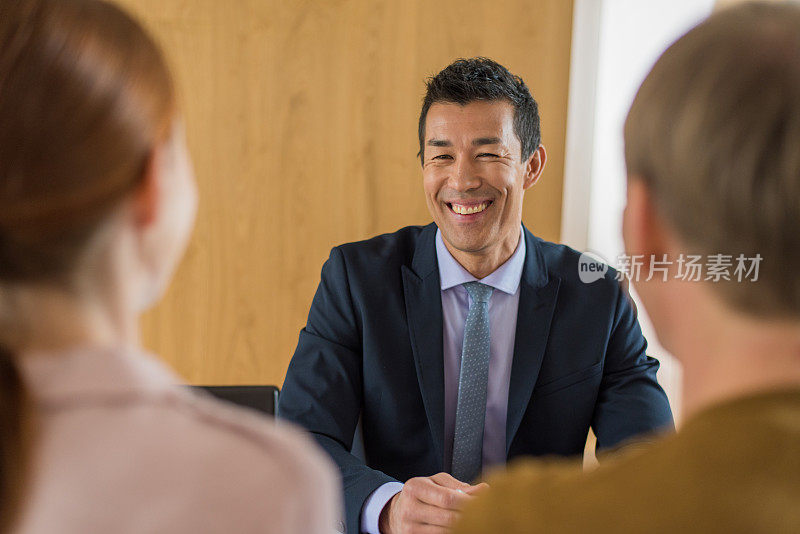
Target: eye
443 156
488 155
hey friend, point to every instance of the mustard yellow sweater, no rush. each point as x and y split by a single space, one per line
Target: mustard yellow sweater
732 468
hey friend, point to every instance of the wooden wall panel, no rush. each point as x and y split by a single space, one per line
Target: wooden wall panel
301 119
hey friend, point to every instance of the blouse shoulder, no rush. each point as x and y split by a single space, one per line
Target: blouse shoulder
121 429
275 471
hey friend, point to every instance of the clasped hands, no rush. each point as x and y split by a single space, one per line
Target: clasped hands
427 505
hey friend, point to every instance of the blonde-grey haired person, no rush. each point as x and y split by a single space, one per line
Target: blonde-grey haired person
713 157
97 202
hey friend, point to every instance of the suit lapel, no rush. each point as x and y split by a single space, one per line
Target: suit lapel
423 300
537 299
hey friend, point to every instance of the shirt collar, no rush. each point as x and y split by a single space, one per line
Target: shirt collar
505 278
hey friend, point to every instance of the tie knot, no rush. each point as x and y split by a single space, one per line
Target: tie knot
479 292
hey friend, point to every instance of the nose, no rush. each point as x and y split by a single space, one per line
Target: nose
465 176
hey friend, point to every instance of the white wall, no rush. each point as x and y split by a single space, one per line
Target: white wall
615 43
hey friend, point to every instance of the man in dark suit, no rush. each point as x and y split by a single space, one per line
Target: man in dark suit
467 342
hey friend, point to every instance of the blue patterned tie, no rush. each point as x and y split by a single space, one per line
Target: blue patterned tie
472 381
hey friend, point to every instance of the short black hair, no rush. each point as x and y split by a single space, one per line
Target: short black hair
481 78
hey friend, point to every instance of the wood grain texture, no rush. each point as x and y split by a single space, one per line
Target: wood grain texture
301 119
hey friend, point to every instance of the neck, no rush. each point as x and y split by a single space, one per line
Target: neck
483 263
727 355
34 319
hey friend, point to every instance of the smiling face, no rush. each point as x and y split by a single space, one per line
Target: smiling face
475 178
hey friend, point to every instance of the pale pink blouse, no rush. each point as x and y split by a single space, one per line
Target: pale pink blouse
121 447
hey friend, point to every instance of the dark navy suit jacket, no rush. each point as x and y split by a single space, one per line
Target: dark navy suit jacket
372 348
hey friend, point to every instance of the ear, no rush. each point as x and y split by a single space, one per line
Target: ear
642 228
146 195
534 167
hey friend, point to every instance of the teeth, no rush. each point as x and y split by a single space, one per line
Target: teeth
466 210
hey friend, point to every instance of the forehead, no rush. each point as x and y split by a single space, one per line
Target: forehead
446 120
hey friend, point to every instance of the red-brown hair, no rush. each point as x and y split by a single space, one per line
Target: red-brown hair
85 95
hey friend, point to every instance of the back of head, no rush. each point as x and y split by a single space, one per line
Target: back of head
714 132
85 95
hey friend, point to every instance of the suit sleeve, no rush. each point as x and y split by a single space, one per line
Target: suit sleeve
323 387
630 402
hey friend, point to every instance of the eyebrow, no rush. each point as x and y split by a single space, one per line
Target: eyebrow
439 142
480 141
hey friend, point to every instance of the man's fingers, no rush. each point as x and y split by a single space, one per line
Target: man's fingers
477 488
429 492
432 515
448 481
